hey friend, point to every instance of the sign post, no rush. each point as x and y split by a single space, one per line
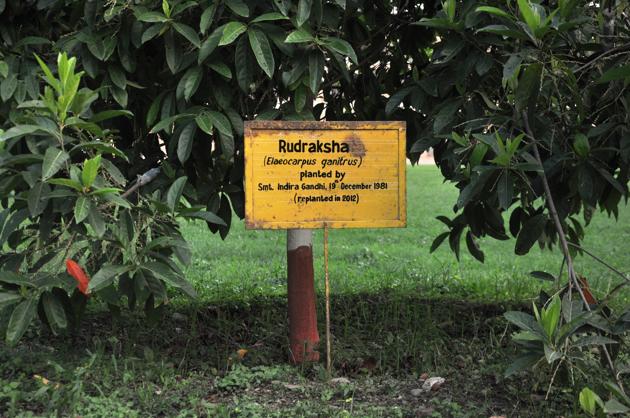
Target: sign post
303 335
305 175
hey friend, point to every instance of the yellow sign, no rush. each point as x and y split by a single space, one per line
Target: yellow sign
316 174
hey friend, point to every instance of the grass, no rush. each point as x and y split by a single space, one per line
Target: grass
398 313
252 263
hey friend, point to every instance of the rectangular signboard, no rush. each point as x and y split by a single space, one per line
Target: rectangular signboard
316 174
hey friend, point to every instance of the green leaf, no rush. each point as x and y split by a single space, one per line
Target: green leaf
493 11
299 36
524 321
96 221
152 17
236 121
231 31
613 406
505 189
262 51
530 232
593 340
454 239
19 130
581 145
54 159
342 47
11 277
8 86
151 32
221 122
101 147
73 184
589 401
206 18
105 190
221 68
396 99
244 65
37 198
522 363
210 44
299 98
90 170
227 144
438 241
238 6
81 209
106 276
473 247
511 67
528 88
185 142
109 114
204 123
152 113
530 15
503 31
188 33
315 70
54 311
616 73
551 316
21 317
121 96
175 192
303 11
439 23
166 124
173 52
164 273
543 275
166 8
4 69
445 116
8 299
206 216
450 7
269 17
118 77
189 83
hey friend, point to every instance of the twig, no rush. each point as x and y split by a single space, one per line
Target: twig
553 377
619 273
563 242
146 178
615 50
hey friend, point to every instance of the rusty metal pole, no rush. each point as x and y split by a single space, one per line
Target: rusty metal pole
303 335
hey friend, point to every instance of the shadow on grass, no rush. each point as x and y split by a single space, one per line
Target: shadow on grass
189 361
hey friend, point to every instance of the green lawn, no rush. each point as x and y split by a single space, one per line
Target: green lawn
253 263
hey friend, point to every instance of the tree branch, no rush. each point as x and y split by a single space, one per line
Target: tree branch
564 243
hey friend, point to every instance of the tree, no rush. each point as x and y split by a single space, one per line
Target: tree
515 91
529 110
186 74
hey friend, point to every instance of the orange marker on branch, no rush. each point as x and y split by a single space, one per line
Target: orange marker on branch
75 270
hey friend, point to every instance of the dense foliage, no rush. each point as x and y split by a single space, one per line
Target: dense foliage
63 203
558 69
186 73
